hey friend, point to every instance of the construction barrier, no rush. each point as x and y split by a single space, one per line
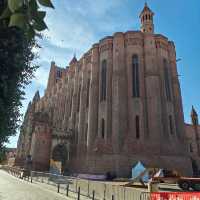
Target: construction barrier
175 196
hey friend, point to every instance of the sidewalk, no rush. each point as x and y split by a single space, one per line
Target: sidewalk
13 188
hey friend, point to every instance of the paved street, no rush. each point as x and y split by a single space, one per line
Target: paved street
12 188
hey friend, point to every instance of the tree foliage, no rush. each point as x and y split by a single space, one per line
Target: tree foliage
19 22
26 14
2 155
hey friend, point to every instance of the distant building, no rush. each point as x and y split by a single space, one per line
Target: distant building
10 156
120 103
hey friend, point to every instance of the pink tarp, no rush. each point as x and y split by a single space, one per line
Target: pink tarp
175 196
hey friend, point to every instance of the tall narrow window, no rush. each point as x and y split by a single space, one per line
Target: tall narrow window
71 99
86 130
88 92
135 76
103 80
79 97
102 128
171 126
167 81
191 148
59 74
137 126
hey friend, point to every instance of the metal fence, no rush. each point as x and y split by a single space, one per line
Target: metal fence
78 188
15 171
96 190
92 189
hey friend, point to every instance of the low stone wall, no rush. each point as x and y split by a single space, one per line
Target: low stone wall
121 165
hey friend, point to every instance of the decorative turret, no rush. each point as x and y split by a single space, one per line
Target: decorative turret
146 18
194 117
74 60
36 97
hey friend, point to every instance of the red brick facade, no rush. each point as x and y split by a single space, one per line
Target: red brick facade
120 103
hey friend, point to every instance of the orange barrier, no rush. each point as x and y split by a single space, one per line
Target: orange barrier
175 196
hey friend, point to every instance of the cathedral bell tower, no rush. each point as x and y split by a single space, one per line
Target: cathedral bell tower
194 117
195 123
146 17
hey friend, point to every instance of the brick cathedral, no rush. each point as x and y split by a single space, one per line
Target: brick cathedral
119 104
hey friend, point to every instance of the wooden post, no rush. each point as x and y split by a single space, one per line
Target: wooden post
67 193
93 195
58 187
88 188
31 177
79 193
104 194
104 197
76 184
113 197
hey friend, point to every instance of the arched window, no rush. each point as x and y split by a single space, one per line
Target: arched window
167 80
135 76
103 80
171 125
102 128
88 92
137 126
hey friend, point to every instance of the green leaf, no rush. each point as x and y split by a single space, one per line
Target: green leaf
33 7
30 33
46 3
39 25
41 14
6 13
33 4
18 20
14 5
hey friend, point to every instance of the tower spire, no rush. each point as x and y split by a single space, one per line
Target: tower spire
146 17
194 117
74 60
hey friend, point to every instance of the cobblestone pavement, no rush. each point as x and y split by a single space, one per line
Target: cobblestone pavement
12 188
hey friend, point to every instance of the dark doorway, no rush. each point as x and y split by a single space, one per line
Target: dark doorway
60 154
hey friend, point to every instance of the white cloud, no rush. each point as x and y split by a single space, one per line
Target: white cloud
77 25
41 75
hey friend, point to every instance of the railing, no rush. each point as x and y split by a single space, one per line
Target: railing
75 187
96 190
92 189
15 171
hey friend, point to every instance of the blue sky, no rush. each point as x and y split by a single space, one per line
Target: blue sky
75 25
